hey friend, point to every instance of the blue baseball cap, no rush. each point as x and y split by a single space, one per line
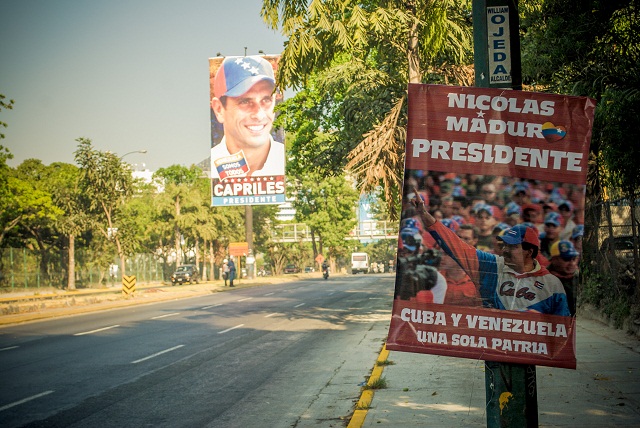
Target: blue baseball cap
238 74
483 207
411 238
513 208
563 249
567 204
499 228
577 231
450 223
552 218
520 233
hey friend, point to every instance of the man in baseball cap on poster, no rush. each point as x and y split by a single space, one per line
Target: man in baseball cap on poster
564 265
513 280
243 103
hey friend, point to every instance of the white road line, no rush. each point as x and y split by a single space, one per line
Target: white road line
207 307
272 315
17 403
97 330
232 328
156 354
165 315
8 348
297 306
269 294
248 298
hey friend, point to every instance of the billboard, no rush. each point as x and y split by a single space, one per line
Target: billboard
247 154
492 220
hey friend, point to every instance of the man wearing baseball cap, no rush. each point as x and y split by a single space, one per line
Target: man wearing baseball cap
551 234
243 103
512 281
564 265
484 221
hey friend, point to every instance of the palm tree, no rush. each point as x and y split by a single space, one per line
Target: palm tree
364 54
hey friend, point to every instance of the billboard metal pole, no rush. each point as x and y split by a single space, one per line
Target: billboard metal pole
511 390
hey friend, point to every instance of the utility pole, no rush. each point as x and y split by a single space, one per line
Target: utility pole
497 64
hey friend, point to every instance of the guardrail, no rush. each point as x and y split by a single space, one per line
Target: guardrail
366 231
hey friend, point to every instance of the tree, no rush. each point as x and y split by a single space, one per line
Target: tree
108 184
327 206
4 105
178 182
67 219
362 55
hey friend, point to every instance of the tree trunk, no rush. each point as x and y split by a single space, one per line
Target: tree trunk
211 262
415 75
71 281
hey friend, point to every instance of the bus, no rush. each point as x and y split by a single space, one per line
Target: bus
359 263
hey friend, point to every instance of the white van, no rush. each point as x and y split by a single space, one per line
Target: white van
359 263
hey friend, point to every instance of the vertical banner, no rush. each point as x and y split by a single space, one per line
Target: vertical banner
504 174
247 154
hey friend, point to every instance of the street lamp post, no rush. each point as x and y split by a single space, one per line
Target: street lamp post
135 151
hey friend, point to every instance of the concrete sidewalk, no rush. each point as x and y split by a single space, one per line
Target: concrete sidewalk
435 391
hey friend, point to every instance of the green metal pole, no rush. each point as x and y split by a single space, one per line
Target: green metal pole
511 389
496 40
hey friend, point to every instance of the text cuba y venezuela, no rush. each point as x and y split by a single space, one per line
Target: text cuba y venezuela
485 326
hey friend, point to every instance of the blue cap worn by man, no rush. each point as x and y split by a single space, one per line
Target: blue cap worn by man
238 74
553 218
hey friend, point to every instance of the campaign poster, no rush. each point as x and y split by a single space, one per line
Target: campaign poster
495 277
247 152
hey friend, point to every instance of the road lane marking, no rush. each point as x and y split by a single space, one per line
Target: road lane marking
156 354
208 307
165 315
8 348
272 315
297 306
17 403
243 300
269 294
97 330
231 328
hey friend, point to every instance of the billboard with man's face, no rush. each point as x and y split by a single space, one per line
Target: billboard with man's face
247 153
495 277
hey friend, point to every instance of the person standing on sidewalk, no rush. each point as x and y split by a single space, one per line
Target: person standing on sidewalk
232 271
511 281
225 271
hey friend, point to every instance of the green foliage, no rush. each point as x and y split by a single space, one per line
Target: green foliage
581 47
4 105
327 206
354 59
604 293
617 124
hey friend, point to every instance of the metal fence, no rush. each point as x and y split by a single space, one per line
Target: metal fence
611 246
21 268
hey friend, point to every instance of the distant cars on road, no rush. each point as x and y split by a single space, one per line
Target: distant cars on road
291 269
185 273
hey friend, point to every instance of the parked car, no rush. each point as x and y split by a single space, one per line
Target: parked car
622 246
185 273
291 269
309 269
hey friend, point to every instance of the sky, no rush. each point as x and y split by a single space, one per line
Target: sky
129 75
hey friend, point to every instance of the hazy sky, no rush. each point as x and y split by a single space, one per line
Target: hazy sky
127 74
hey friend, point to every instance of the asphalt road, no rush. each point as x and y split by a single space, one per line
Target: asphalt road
283 355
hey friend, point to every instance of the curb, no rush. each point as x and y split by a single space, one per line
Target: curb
366 398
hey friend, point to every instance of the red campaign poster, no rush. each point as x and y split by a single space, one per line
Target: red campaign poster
503 174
